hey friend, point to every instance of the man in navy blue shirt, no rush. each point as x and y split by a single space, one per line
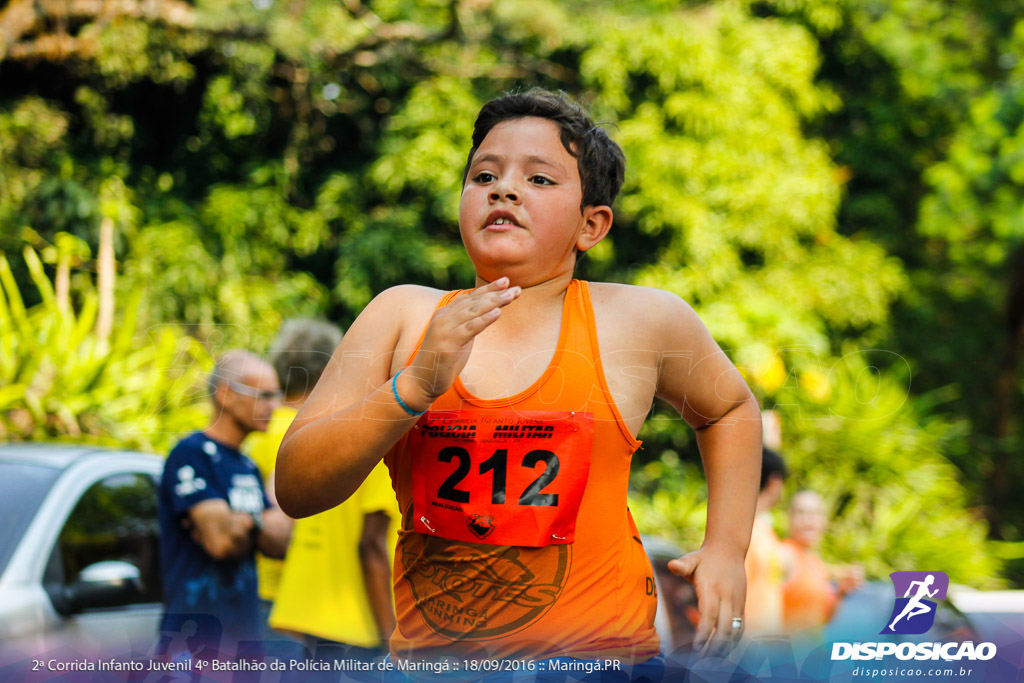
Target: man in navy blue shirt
214 512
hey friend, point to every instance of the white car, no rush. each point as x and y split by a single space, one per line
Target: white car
79 552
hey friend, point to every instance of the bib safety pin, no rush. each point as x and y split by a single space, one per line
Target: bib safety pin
560 538
427 524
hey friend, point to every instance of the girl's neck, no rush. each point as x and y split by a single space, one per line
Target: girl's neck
536 302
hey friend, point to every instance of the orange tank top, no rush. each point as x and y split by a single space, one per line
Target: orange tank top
809 597
516 539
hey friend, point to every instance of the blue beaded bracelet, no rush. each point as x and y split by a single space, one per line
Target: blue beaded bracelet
394 390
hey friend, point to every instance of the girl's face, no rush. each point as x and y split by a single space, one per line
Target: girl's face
520 211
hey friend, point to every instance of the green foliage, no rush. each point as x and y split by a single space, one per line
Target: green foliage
668 499
972 228
928 90
720 169
222 301
59 380
894 501
972 218
264 160
877 461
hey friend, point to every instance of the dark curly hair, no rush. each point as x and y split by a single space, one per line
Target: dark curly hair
772 465
600 161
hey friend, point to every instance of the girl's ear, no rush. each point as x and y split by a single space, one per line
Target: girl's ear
597 221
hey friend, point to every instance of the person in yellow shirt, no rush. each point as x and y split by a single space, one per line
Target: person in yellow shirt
333 590
298 354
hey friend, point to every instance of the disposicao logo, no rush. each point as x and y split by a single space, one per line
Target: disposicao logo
917 596
914 613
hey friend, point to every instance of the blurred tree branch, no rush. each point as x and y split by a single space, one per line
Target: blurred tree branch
32 29
41 29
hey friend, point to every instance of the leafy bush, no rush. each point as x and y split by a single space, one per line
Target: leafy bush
895 502
60 380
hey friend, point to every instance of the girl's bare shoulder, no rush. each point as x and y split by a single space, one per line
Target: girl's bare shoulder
653 314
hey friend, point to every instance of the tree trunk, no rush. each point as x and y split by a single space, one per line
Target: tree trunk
105 279
1003 484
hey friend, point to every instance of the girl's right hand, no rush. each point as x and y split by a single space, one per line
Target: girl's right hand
449 340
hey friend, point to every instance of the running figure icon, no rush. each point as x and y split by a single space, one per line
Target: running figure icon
917 595
915 607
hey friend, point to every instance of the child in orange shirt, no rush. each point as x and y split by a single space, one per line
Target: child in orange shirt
508 414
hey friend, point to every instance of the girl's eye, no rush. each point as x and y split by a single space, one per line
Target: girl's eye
483 177
541 180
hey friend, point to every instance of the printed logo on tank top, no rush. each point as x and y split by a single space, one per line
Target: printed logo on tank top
503 477
473 591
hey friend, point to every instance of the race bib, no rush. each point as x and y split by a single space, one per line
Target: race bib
500 477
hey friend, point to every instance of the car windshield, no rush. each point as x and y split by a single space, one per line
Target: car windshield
22 487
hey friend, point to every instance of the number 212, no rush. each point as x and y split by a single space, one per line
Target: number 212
498 464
